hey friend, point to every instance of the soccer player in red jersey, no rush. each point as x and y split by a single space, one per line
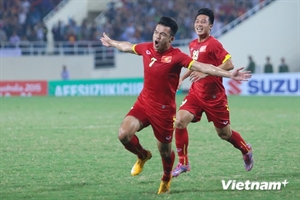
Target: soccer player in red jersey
206 95
155 105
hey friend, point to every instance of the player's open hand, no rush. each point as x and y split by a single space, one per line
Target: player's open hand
196 76
239 75
105 40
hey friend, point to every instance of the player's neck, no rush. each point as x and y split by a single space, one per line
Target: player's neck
164 49
202 38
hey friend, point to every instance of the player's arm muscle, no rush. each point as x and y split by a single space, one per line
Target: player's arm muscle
227 65
123 46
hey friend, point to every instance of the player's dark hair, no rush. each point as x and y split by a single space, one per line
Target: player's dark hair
208 12
169 22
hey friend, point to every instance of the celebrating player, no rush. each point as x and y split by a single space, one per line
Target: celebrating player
207 95
155 105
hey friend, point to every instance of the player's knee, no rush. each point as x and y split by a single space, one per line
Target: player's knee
165 154
124 136
224 135
180 123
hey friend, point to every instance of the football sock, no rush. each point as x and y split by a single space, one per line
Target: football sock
135 147
167 166
182 142
237 141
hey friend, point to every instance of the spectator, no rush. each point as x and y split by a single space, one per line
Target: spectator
268 68
14 39
3 37
283 67
65 73
41 31
57 31
251 65
22 15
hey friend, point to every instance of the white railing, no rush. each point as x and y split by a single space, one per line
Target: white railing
103 56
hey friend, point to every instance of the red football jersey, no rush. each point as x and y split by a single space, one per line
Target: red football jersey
161 74
212 52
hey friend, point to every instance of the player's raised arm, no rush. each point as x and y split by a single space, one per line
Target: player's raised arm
215 71
121 45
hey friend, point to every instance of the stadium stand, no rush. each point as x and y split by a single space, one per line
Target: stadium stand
21 24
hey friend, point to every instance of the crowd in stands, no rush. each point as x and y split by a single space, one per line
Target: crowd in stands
22 20
135 20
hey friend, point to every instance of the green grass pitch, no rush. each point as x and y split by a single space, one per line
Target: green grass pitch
67 148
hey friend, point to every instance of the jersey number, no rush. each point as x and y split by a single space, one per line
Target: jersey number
152 61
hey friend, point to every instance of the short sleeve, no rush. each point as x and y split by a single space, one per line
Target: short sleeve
139 48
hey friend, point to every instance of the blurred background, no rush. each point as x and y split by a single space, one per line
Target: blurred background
44 43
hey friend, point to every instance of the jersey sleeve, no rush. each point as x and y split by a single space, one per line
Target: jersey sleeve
220 53
185 60
139 48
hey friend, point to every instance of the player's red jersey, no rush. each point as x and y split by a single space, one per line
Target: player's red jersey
212 52
161 75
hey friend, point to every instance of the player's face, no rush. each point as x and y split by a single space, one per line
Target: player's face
162 38
202 25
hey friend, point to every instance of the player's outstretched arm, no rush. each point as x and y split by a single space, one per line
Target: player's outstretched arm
196 76
215 71
121 45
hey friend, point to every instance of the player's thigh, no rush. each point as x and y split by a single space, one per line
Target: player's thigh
183 118
193 105
163 127
130 125
138 112
135 120
219 115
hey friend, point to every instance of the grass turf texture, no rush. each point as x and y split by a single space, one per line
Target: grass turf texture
67 148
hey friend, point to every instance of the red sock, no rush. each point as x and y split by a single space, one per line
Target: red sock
135 147
237 141
168 166
182 142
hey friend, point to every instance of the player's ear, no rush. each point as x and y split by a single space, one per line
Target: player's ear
171 39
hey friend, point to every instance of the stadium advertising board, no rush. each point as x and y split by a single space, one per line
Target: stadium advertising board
108 87
23 88
266 84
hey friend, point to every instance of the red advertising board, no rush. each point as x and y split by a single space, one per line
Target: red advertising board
23 88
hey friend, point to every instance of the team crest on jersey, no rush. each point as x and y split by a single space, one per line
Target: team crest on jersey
166 59
148 52
202 49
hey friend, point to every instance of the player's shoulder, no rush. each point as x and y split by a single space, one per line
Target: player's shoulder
213 43
177 53
175 50
195 41
213 40
143 47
